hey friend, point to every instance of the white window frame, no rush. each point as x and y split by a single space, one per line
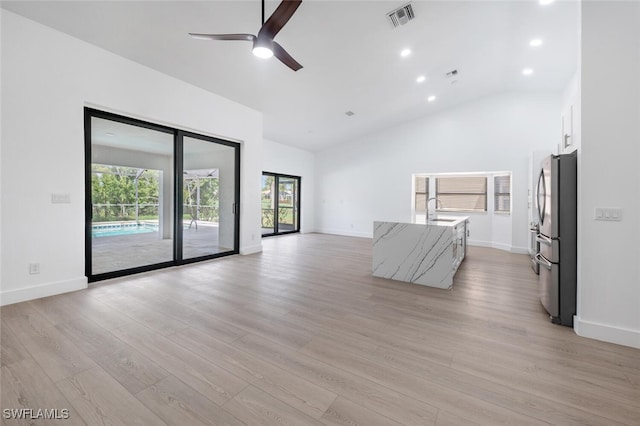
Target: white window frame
421 217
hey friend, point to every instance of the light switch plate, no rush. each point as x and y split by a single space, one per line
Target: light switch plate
60 198
608 214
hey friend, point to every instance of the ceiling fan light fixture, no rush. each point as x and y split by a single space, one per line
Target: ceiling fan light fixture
262 52
263 48
263 44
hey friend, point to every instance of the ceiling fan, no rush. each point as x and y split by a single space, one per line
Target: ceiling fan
263 44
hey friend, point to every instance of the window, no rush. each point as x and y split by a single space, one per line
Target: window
421 184
502 193
461 193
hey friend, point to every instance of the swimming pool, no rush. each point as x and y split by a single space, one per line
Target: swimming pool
115 229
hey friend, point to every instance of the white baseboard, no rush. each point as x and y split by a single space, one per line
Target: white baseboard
519 250
606 332
499 246
251 249
344 233
42 290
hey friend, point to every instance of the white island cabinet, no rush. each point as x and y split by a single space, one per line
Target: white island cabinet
427 254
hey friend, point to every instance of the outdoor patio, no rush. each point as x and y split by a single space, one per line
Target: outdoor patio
113 253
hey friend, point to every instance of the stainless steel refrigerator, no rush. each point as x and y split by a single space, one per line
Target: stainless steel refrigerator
556 199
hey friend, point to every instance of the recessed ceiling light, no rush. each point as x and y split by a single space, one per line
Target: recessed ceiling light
110 134
535 42
421 78
405 52
546 2
431 98
527 71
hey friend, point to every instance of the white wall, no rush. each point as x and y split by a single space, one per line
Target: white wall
47 79
279 158
571 113
609 254
370 178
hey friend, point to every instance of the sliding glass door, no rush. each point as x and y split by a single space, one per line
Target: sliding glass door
136 220
280 201
131 192
210 192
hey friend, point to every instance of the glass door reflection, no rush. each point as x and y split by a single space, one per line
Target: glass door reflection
287 204
209 189
131 175
268 204
280 204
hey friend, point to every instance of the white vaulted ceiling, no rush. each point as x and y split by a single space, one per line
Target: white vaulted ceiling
349 51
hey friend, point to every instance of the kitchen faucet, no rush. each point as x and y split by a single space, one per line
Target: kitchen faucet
431 214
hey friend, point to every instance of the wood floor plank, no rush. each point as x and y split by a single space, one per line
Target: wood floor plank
344 332
87 335
446 418
510 396
11 350
301 394
178 404
302 333
100 399
129 367
476 405
57 356
358 389
346 413
24 385
57 309
216 383
222 330
587 396
292 336
156 320
256 407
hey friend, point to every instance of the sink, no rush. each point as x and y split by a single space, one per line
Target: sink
442 220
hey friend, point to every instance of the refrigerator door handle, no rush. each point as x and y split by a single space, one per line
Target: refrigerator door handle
541 195
544 239
542 261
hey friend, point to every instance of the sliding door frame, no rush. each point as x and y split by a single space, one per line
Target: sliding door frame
178 198
179 207
276 209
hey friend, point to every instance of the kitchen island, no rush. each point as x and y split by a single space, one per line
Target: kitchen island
421 253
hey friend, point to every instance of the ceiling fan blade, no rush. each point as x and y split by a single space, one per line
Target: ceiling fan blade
284 57
279 18
240 37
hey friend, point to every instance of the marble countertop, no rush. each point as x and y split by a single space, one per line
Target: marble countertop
442 220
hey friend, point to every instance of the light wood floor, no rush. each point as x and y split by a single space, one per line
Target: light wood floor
302 334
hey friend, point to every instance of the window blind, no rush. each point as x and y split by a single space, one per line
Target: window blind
462 193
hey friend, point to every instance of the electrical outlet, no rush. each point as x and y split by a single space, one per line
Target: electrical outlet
34 268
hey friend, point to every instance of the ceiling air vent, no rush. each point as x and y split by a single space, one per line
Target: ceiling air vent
401 15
